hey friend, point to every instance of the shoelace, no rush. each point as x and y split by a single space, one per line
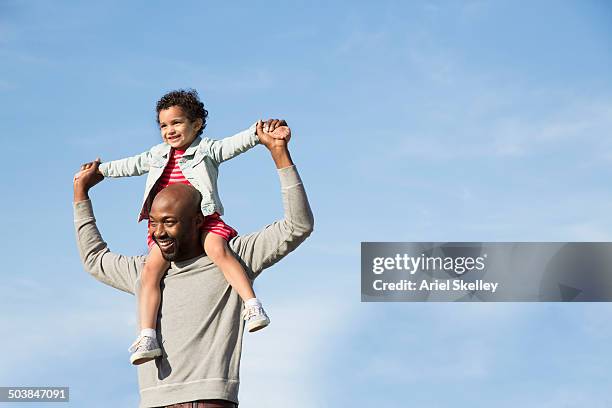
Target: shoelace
249 312
136 344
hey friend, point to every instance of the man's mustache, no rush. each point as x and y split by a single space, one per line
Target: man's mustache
164 239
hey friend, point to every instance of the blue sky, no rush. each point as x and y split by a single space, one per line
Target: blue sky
412 121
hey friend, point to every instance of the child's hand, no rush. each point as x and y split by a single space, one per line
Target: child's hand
273 133
277 129
87 166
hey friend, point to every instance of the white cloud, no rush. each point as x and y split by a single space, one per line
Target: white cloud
44 329
571 125
435 64
362 40
491 343
7 86
335 248
587 231
280 365
135 72
563 396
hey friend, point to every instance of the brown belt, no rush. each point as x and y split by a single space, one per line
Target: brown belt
204 404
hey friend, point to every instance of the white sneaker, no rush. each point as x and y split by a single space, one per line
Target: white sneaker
144 349
256 318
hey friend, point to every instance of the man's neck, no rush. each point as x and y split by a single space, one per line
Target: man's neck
195 253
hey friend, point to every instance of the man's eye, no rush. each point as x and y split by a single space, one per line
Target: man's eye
153 224
169 223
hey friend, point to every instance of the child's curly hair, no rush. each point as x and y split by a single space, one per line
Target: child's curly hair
189 101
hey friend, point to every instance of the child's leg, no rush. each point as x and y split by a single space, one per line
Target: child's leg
217 250
150 292
146 348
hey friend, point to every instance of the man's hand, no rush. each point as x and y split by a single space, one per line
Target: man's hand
275 135
85 179
277 128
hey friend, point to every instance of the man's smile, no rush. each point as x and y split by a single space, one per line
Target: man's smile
166 244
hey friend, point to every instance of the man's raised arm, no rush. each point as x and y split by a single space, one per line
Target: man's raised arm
115 270
264 248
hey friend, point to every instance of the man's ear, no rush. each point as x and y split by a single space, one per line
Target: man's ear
199 220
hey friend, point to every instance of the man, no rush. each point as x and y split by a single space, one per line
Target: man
199 324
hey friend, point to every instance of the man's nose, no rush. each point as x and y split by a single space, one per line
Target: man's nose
159 230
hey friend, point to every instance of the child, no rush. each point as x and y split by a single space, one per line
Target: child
186 158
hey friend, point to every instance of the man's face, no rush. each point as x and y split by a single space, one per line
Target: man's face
175 232
176 128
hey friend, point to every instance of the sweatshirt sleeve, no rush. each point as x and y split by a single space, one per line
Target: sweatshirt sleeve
115 270
264 248
128 167
230 147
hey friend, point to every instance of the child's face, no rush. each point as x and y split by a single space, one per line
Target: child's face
176 128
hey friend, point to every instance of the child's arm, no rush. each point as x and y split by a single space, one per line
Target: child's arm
230 147
128 167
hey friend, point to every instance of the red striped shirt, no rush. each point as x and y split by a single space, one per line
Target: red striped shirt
172 172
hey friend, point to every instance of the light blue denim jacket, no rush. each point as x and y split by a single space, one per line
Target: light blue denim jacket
199 164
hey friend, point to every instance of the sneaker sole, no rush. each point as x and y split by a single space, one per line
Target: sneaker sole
143 357
258 325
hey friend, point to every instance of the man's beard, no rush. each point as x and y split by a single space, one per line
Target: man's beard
168 248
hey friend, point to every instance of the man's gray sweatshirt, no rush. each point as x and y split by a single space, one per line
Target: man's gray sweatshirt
199 324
